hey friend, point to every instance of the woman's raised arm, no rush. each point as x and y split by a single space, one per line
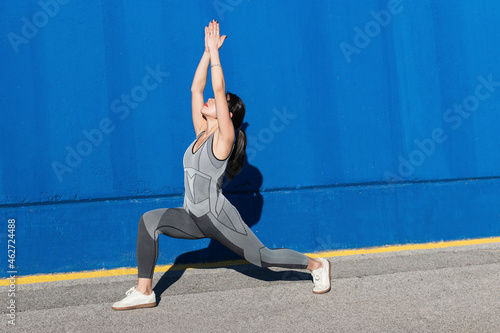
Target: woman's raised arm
197 88
226 129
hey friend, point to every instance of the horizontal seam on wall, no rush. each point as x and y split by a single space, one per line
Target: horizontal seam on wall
269 190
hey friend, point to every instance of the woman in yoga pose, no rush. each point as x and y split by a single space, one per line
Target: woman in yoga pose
206 212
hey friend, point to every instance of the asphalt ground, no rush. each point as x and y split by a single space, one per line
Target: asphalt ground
454 289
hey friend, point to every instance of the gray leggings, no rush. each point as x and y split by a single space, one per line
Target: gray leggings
231 232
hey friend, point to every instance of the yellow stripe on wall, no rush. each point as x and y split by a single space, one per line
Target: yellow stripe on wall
133 271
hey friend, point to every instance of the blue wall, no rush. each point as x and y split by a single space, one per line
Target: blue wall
369 123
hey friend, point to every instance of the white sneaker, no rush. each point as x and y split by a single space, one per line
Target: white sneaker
322 278
135 299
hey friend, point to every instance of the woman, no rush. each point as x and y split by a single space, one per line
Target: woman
206 212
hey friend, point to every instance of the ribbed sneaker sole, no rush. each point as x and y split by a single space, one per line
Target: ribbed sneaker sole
329 279
147 305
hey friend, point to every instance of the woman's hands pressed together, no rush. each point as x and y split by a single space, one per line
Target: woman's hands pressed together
213 40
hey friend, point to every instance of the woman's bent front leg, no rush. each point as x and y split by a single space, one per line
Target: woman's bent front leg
172 222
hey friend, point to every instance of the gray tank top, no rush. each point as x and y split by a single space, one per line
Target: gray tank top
203 175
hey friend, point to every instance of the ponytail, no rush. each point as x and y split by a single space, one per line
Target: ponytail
237 109
237 157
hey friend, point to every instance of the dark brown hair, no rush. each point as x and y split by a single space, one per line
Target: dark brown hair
235 163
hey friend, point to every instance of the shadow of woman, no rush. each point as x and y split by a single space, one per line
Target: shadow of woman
244 193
